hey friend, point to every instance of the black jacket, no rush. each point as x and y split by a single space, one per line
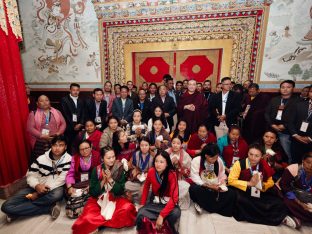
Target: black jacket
168 107
91 110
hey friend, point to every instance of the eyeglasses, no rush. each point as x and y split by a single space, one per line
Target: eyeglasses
84 149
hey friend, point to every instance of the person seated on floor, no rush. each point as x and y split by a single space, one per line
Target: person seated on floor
77 178
199 139
274 153
122 147
140 163
158 136
252 180
182 164
158 113
43 124
183 131
232 147
107 206
296 185
163 205
45 179
107 135
89 133
209 190
136 129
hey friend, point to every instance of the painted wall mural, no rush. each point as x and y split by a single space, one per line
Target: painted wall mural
288 48
61 41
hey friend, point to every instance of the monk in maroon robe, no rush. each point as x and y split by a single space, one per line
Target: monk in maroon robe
254 105
193 107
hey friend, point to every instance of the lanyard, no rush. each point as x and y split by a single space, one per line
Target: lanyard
142 163
159 180
249 165
47 118
97 106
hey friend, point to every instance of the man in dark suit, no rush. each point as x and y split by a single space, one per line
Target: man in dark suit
277 112
72 108
299 125
170 87
224 106
166 103
96 109
207 90
144 105
123 106
133 95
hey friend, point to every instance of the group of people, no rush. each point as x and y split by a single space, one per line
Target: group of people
123 161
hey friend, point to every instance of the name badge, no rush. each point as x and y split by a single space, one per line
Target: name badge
255 192
45 131
279 115
84 177
304 126
98 119
75 119
235 159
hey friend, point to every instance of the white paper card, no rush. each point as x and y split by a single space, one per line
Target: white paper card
84 177
304 126
279 115
98 119
235 159
255 192
45 131
75 118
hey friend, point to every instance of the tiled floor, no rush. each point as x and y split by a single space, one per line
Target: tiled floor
190 223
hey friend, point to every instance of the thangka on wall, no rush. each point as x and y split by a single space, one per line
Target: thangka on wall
288 48
61 41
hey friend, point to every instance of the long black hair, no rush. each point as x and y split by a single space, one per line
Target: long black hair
152 133
115 142
187 131
162 116
165 174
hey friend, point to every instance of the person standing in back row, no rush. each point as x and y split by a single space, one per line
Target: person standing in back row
277 113
73 112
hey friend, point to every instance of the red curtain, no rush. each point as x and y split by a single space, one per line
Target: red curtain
14 150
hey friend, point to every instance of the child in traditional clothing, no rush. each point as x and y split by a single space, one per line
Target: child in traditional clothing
274 153
182 164
140 163
199 139
122 147
106 207
183 131
208 189
107 136
158 114
136 129
77 178
158 137
165 195
252 178
232 147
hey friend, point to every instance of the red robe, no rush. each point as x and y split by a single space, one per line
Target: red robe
172 190
228 152
195 143
197 117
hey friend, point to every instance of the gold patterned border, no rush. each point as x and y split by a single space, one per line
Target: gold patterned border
243 28
9 8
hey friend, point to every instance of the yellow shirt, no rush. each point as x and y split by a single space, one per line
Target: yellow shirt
242 184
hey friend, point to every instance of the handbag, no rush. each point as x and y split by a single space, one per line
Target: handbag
149 227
